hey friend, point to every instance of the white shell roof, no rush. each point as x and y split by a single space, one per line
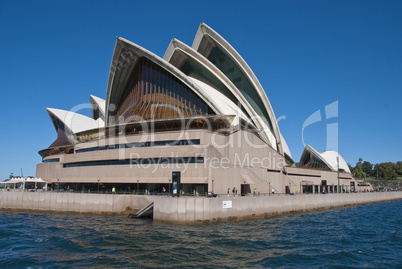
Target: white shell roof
100 103
176 45
331 157
140 51
218 102
74 121
226 107
285 147
205 30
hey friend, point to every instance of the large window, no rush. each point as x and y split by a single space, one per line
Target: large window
235 74
315 163
142 161
144 144
190 67
154 93
55 160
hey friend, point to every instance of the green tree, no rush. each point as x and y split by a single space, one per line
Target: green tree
367 168
358 170
375 170
399 168
387 170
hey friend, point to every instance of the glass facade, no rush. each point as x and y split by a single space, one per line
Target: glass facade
143 161
233 72
55 160
190 67
164 189
154 93
315 163
144 144
62 136
63 143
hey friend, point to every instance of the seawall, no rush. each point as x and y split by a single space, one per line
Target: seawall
186 209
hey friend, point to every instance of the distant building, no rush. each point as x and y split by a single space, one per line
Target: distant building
194 122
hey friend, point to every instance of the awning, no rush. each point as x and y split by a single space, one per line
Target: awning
306 182
36 180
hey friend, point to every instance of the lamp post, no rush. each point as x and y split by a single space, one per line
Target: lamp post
337 159
269 189
169 184
212 179
138 183
98 184
58 184
244 187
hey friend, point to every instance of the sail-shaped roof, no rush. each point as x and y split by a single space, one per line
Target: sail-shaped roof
126 73
198 67
209 78
218 51
193 91
75 122
327 160
97 108
332 158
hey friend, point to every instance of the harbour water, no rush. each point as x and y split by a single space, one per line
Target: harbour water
364 236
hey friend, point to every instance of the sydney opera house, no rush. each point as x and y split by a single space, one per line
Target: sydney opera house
196 121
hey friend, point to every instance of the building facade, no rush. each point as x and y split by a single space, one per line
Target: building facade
194 122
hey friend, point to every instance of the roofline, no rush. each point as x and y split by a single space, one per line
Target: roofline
206 30
310 149
96 100
53 116
123 43
177 46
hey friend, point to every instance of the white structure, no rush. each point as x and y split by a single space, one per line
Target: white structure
327 160
20 183
195 121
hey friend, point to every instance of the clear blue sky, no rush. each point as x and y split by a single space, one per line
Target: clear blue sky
306 55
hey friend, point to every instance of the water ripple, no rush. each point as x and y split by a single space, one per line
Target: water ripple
365 236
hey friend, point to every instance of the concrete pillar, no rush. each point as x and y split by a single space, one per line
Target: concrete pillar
319 188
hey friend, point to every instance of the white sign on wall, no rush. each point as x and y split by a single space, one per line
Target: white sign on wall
227 204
